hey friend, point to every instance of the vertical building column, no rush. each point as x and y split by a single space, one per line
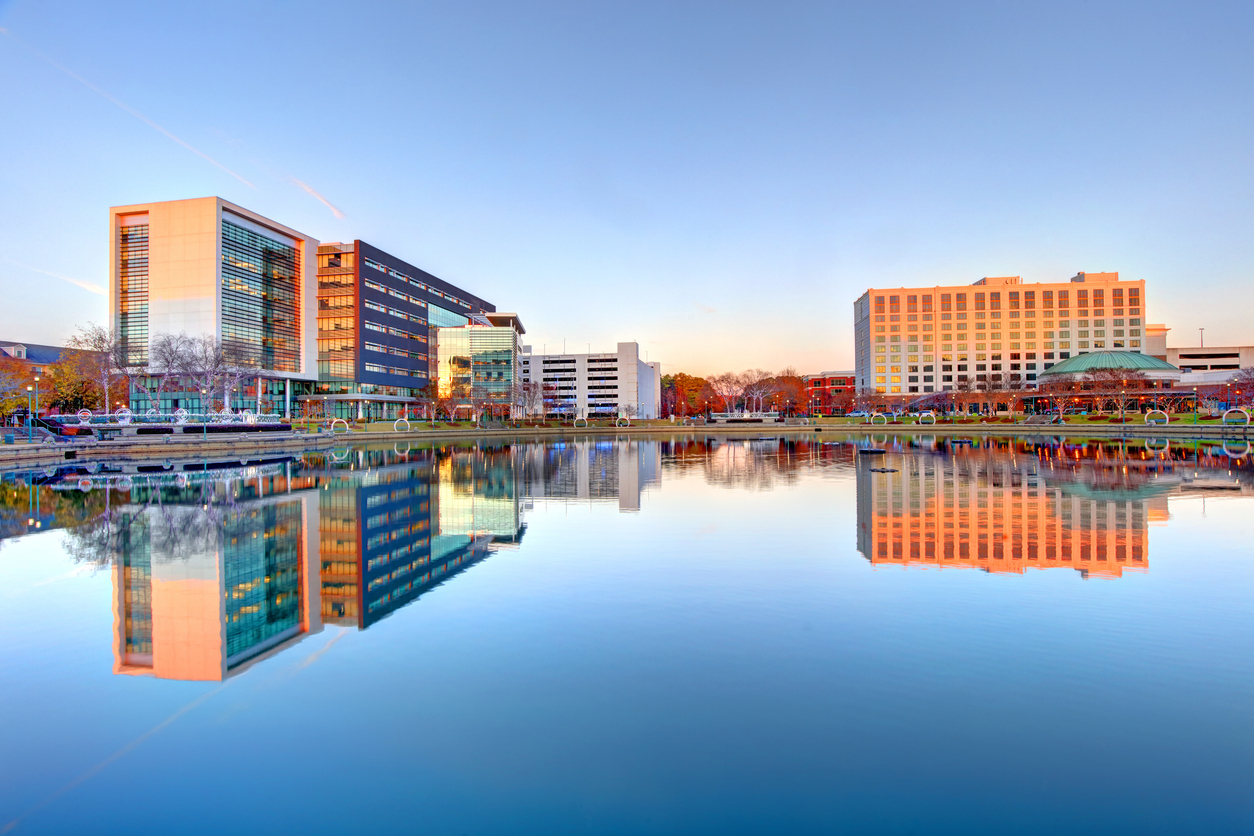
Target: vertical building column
287 398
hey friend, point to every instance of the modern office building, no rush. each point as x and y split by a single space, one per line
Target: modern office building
206 266
826 391
377 323
617 384
477 363
998 331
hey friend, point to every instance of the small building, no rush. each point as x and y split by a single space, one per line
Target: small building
37 358
1097 379
604 385
827 391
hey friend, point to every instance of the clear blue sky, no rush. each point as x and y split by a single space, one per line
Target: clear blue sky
717 181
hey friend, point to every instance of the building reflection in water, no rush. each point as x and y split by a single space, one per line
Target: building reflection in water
405 524
201 590
590 469
1008 507
218 565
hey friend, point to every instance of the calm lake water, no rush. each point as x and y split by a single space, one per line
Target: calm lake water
690 635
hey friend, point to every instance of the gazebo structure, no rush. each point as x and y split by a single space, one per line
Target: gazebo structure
1112 381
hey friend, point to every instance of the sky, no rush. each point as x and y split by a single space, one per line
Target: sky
717 181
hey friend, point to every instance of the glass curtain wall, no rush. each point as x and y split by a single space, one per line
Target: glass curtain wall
261 284
133 292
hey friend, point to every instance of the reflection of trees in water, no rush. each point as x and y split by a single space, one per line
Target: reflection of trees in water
173 523
19 501
751 464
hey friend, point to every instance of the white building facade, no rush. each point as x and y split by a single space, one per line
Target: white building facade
617 384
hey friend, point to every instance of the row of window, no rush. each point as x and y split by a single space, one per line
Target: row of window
397 274
394 331
994 299
376 368
393 350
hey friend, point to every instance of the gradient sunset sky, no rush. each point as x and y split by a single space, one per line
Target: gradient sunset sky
718 181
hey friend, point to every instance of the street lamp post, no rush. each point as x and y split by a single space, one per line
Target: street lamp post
204 417
36 394
30 421
1195 409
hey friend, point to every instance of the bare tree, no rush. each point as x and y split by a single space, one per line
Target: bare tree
100 347
203 363
727 387
1243 385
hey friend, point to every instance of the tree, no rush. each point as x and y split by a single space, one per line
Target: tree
1243 386
203 363
15 376
727 388
790 389
73 386
98 350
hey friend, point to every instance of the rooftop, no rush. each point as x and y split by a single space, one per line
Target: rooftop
1093 360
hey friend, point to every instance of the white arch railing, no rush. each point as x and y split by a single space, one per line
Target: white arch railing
1239 416
396 426
875 415
928 414
1166 419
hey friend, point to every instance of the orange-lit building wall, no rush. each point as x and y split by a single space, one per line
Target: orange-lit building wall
995 517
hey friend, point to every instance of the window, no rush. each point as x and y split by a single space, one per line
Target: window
261 289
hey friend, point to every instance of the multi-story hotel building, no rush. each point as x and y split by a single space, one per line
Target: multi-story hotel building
911 341
206 266
595 385
377 323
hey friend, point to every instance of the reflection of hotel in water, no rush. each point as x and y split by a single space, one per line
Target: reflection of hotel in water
198 596
987 512
591 470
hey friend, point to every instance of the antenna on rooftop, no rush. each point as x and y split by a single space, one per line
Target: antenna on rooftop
1201 338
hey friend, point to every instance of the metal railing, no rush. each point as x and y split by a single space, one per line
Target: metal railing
125 417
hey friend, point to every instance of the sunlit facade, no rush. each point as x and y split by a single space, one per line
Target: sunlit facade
202 597
998 331
606 385
209 267
477 364
377 322
993 514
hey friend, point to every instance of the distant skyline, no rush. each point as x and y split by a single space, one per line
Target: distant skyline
716 181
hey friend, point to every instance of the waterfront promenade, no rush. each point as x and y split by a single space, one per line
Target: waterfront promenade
249 445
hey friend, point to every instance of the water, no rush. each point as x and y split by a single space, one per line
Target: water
684 636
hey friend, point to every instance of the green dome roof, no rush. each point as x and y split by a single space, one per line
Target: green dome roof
1089 361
